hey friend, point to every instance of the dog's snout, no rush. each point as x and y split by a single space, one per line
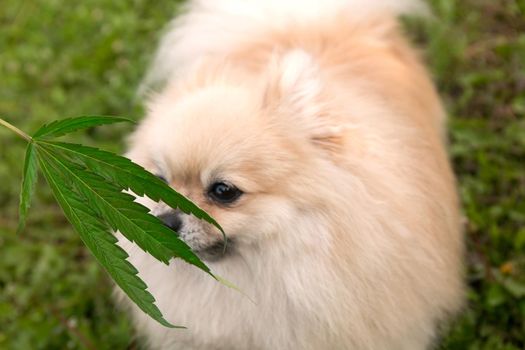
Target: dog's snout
172 220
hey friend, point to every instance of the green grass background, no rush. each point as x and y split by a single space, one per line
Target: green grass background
67 58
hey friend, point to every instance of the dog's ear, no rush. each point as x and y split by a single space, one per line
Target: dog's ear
294 83
295 90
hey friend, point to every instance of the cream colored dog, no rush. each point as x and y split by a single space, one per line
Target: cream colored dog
312 133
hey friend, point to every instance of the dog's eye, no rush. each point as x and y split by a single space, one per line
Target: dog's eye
224 193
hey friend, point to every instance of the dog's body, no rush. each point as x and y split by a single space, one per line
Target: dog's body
345 226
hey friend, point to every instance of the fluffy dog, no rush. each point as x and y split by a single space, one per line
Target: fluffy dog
313 134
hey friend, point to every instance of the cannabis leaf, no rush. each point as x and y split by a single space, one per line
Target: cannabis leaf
90 186
28 184
69 125
123 172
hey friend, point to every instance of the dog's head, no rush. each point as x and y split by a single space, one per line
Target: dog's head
246 153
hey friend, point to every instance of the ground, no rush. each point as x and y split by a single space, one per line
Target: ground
68 58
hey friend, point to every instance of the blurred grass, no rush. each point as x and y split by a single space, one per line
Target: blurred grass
60 59
477 52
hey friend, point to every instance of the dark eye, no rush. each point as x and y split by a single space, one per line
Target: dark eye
224 193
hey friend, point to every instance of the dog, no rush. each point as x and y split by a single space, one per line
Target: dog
311 131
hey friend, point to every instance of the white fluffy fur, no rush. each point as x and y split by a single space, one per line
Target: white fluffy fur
359 249
212 27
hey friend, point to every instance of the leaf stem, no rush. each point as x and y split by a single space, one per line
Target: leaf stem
15 130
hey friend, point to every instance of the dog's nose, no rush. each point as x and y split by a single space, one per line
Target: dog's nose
171 220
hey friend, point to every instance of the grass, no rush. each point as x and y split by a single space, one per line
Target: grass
60 59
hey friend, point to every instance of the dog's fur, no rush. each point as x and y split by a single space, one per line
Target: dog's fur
348 233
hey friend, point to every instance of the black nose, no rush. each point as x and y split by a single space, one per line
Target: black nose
172 220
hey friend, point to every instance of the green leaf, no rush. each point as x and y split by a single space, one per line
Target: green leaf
495 295
515 287
128 175
90 186
69 125
101 242
28 184
121 212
